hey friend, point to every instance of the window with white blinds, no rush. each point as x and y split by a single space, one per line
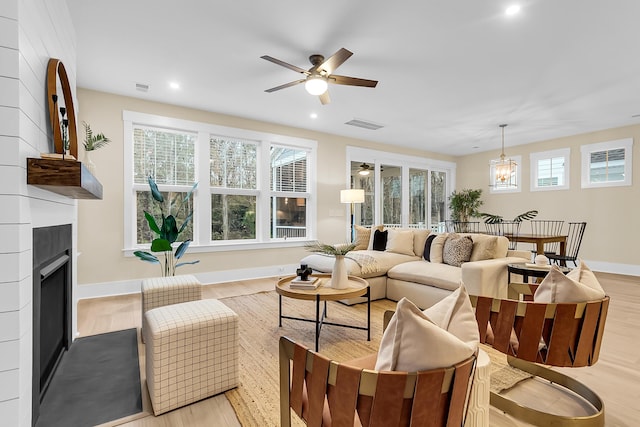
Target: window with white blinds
607 164
251 191
550 170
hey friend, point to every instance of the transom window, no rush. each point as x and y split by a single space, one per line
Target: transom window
607 164
251 190
550 170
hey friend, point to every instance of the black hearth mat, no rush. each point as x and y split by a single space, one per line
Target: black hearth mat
98 380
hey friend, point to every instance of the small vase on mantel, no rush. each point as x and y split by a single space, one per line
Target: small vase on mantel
88 163
339 277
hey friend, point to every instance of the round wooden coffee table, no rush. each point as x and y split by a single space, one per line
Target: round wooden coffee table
357 287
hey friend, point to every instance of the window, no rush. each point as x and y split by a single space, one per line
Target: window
400 191
510 185
607 164
550 170
253 188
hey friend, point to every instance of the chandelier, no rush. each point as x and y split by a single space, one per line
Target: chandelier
504 168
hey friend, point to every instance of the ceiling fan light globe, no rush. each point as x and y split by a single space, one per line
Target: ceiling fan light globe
316 85
364 172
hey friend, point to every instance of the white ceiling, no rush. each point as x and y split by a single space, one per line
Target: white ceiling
449 71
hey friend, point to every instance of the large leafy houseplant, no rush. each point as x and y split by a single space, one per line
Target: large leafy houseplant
464 204
168 233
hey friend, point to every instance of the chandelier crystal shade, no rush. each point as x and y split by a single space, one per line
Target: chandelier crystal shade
504 168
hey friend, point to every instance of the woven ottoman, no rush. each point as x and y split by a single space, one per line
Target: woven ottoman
191 352
161 291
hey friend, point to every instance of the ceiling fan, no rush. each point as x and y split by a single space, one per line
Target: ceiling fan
320 74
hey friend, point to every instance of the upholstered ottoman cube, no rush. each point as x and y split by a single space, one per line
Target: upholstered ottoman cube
161 291
191 352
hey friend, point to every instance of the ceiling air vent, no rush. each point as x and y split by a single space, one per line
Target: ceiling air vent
363 124
142 87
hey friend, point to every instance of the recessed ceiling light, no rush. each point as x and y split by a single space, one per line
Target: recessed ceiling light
313 115
512 10
174 85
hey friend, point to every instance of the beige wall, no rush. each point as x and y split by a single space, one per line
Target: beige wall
100 229
613 229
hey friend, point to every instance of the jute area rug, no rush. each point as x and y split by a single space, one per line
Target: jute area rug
256 399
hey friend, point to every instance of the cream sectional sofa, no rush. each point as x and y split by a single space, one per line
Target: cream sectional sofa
400 270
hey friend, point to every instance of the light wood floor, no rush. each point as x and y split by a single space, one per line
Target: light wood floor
615 377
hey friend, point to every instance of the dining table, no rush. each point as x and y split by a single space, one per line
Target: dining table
539 240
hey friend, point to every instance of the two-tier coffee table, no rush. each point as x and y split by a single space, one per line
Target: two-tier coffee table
357 287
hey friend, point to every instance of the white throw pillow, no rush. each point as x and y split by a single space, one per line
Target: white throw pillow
584 275
413 342
437 247
400 242
456 315
558 287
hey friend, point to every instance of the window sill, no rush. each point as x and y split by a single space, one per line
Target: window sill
236 246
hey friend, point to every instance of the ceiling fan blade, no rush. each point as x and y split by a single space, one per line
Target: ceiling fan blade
352 81
286 65
286 85
334 61
324 98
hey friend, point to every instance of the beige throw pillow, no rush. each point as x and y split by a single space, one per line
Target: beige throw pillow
400 241
484 247
414 342
557 287
419 238
363 235
437 246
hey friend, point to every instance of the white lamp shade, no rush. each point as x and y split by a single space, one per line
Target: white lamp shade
355 195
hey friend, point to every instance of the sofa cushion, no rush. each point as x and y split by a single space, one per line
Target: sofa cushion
380 240
365 264
457 249
362 237
413 342
419 238
428 273
486 246
371 234
436 248
557 287
427 246
400 241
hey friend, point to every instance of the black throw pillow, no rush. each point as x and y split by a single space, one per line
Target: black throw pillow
427 246
380 240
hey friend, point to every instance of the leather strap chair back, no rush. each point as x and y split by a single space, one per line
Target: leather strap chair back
323 392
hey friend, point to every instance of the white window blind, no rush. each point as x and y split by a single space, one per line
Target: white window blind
165 155
607 164
233 163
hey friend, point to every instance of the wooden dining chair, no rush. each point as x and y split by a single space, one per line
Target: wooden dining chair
575 231
534 334
545 227
324 392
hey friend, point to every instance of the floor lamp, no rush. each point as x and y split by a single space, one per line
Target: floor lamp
352 196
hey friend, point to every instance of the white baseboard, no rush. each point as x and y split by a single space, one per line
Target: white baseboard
105 289
610 267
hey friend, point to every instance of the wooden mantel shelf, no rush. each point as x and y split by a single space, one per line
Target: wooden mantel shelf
67 177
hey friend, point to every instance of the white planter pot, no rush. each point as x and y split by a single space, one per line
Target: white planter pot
339 277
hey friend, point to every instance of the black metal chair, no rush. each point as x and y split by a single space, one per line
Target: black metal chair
546 227
574 240
509 228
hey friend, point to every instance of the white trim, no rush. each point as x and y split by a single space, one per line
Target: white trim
586 150
202 196
126 287
612 267
534 158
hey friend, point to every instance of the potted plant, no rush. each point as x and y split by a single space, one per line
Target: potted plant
92 142
339 275
464 204
168 233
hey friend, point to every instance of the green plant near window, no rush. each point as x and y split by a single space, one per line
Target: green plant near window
168 234
464 204
93 141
